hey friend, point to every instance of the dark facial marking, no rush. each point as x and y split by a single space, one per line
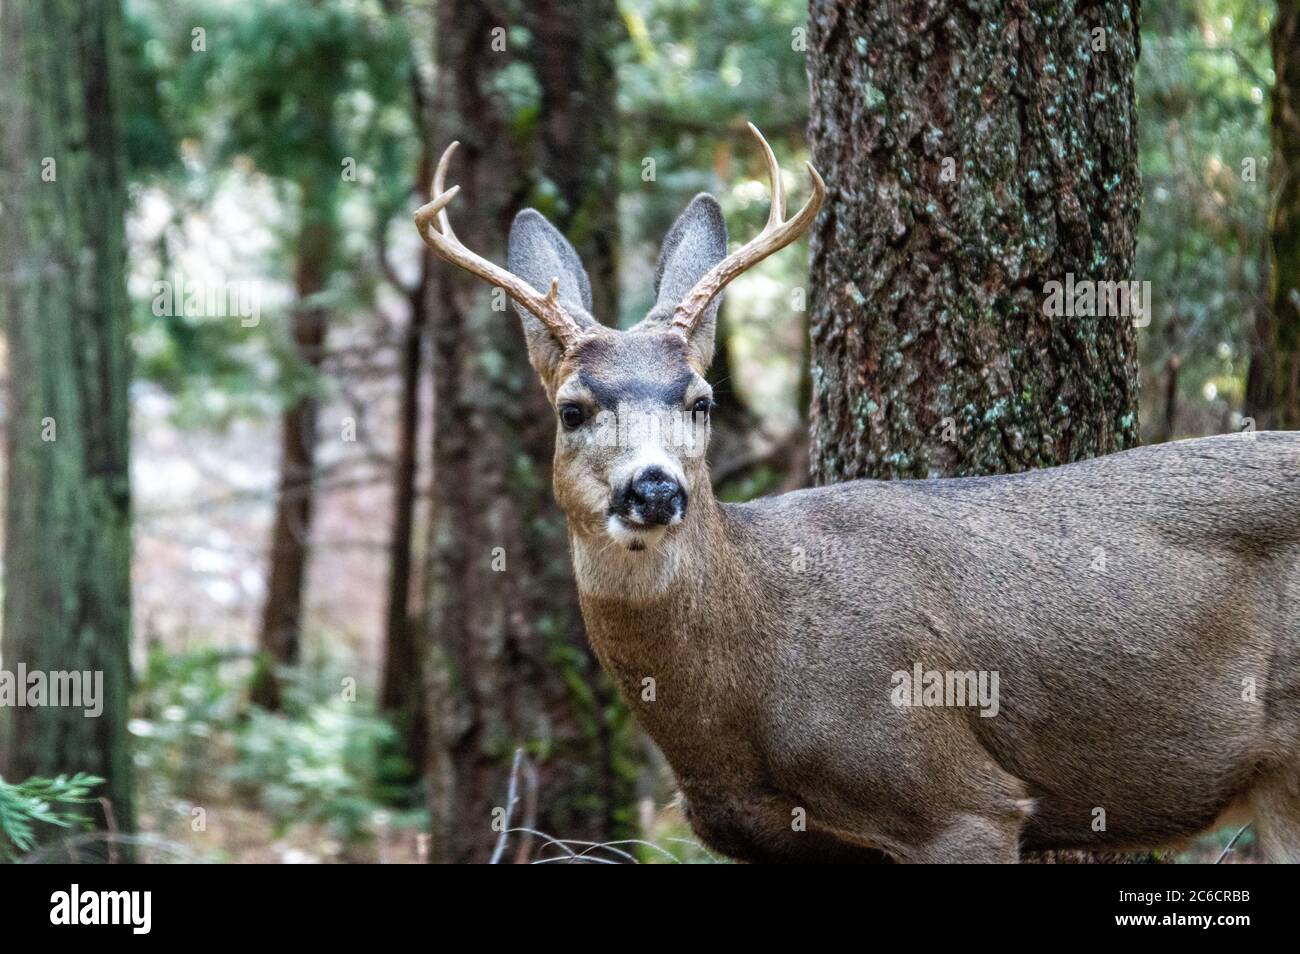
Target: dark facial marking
609 394
635 367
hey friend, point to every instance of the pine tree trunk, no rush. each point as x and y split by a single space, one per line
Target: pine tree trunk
1284 228
67 560
971 159
280 636
974 152
508 662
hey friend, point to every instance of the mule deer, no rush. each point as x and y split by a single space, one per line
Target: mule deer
809 663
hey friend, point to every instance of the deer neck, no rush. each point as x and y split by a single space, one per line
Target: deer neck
650 611
662 578
673 627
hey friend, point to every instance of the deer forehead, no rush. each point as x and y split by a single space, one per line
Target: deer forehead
633 368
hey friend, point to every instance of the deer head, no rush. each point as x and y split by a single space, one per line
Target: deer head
632 407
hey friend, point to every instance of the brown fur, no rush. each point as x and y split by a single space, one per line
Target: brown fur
1120 689
1125 603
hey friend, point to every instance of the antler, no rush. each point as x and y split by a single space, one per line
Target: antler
776 235
435 228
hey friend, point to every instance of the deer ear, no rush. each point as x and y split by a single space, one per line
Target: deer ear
537 252
696 242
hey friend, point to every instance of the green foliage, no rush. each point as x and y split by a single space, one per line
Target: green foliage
686 89
300 86
763 481
185 703
708 63
690 76
149 133
324 760
299 112
1202 91
327 764
26 806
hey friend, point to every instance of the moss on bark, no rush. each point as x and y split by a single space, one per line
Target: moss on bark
67 566
973 155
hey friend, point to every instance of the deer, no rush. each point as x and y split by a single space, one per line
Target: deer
1102 656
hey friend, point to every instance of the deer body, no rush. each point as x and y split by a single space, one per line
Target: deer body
773 641
1134 618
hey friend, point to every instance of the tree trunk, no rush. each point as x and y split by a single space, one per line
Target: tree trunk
1259 406
1169 415
1284 228
508 662
401 688
571 56
974 152
67 560
279 640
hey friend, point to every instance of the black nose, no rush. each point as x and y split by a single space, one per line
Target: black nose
652 497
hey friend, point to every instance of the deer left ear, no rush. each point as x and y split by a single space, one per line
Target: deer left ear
538 253
696 242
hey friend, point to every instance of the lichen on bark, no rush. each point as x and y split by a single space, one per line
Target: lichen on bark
975 151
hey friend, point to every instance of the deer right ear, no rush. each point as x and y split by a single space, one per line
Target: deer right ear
696 242
537 252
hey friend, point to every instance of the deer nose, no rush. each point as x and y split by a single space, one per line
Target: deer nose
652 497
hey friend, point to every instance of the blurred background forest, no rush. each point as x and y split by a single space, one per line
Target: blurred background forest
290 446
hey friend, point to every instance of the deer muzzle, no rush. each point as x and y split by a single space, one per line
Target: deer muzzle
652 498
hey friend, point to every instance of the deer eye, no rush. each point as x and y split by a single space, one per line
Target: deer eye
571 415
702 406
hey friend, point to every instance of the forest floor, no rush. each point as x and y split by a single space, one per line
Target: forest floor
238 833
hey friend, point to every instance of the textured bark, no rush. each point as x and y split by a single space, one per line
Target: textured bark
927 304
508 662
67 554
279 638
1284 228
932 354
571 55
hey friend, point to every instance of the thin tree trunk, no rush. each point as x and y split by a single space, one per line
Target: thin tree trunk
1284 228
1259 400
67 560
1173 365
1259 406
974 152
507 662
1169 417
401 688
279 640
571 57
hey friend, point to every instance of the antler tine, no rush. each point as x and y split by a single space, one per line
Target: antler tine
776 235
777 212
435 228
439 177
